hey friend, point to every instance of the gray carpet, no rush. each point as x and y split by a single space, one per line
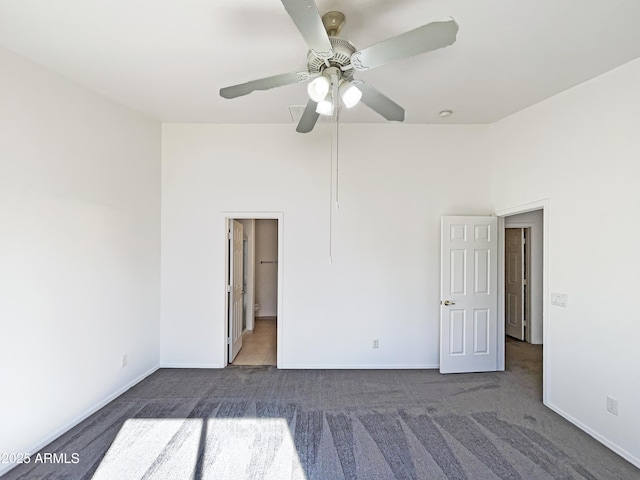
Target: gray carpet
264 423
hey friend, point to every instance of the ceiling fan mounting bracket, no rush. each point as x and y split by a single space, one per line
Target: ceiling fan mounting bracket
333 22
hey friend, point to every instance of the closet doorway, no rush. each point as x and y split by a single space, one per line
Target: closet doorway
253 285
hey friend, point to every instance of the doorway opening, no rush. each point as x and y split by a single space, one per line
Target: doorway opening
253 290
523 287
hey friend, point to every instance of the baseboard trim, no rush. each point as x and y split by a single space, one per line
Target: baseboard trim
357 367
191 365
4 468
603 440
294 366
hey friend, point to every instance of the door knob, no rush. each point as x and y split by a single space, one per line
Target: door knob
447 302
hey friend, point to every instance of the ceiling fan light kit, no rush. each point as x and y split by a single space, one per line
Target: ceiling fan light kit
332 60
349 93
318 88
325 107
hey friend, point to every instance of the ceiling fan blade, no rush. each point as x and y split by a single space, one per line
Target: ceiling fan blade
380 103
263 84
305 15
308 119
420 40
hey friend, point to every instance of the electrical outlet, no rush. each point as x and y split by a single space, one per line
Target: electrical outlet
124 360
376 343
612 405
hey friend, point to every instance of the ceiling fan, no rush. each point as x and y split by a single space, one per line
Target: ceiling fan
331 62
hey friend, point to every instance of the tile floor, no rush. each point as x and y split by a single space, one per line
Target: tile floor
259 347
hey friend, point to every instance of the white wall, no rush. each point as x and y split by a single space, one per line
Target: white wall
79 251
581 150
266 273
533 221
395 183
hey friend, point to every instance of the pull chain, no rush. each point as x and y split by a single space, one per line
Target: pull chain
333 188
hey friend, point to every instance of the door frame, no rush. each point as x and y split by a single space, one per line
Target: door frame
501 214
228 217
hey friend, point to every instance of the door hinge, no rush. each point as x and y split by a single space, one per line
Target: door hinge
229 288
228 340
524 282
229 235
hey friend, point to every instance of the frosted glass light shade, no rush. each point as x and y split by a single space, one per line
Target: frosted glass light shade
325 107
350 94
318 88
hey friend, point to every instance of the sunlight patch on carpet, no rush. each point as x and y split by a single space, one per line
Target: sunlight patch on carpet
220 448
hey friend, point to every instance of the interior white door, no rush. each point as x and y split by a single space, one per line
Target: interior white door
236 290
514 282
469 297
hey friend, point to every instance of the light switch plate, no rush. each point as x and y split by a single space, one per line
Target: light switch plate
559 299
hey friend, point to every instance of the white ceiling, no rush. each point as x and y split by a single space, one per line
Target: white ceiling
169 58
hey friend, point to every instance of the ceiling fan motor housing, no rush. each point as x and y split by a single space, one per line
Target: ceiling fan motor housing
342 51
